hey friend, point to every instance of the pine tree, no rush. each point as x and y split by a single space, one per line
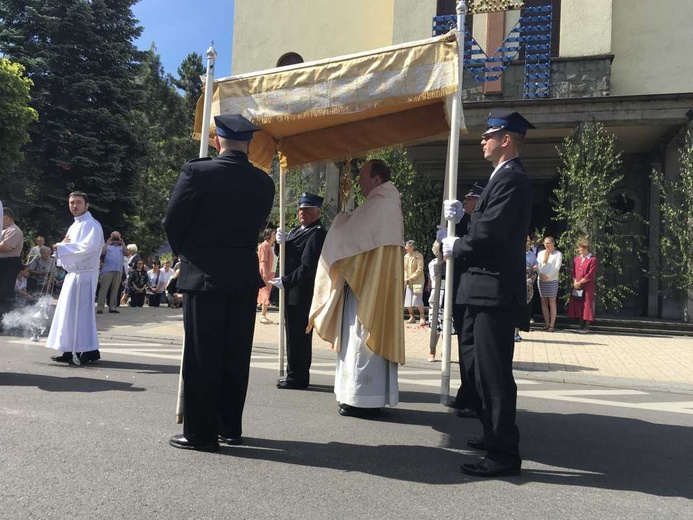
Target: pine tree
82 61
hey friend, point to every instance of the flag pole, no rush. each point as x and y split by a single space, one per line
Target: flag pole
204 151
451 169
282 266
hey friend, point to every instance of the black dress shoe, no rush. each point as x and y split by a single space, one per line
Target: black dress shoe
179 441
467 413
476 443
231 441
458 405
113 311
290 385
362 413
89 357
65 357
490 468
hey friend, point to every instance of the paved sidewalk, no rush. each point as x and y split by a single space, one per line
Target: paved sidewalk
652 362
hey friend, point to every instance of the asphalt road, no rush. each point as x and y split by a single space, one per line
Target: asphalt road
91 443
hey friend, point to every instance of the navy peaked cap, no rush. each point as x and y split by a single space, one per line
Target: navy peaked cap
475 190
234 126
310 200
506 120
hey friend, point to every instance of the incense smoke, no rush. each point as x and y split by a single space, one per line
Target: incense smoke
32 319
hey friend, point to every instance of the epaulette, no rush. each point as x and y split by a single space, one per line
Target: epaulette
199 159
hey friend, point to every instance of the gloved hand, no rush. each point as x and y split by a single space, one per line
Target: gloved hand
281 236
441 234
453 210
276 282
448 245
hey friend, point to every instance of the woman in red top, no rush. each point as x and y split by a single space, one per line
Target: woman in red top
581 303
265 255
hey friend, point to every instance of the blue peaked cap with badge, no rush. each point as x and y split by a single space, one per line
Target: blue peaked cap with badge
506 120
310 200
475 190
234 126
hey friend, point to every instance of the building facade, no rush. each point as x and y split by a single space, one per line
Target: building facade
624 63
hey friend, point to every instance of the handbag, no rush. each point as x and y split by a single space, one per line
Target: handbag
417 288
577 293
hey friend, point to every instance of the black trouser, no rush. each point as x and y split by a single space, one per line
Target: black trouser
9 269
299 345
219 331
487 346
466 394
136 298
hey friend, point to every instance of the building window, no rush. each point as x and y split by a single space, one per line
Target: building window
449 8
290 58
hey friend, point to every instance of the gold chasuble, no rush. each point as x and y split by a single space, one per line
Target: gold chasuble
364 250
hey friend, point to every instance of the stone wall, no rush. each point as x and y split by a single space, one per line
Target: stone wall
570 78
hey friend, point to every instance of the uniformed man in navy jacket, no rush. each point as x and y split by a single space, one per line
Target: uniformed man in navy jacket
302 250
492 288
214 217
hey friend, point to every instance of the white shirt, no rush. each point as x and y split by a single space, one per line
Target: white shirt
550 267
500 165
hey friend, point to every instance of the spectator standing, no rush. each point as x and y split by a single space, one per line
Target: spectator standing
531 267
11 244
35 251
414 279
137 284
265 255
582 296
39 270
156 284
549 263
113 253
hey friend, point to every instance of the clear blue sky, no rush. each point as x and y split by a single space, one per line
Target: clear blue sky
179 27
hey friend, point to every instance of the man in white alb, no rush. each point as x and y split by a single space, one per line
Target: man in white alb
73 331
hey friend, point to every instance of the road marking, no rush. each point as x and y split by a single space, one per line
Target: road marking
574 396
42 343
268 362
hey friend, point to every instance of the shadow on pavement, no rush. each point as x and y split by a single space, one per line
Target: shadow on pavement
592 451
65 384
529 366
609 452
140 368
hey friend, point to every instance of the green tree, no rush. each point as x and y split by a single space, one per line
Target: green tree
589 175
189 82
82 61
17 115
676 228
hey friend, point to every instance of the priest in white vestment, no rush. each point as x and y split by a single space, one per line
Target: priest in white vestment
357 302
73 331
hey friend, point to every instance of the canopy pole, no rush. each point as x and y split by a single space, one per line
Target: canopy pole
434 300
204 151
209 94
282 266
451 169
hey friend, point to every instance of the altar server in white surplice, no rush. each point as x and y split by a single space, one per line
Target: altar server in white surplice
73 331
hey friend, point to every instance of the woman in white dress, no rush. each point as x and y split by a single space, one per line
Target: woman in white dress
549 266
